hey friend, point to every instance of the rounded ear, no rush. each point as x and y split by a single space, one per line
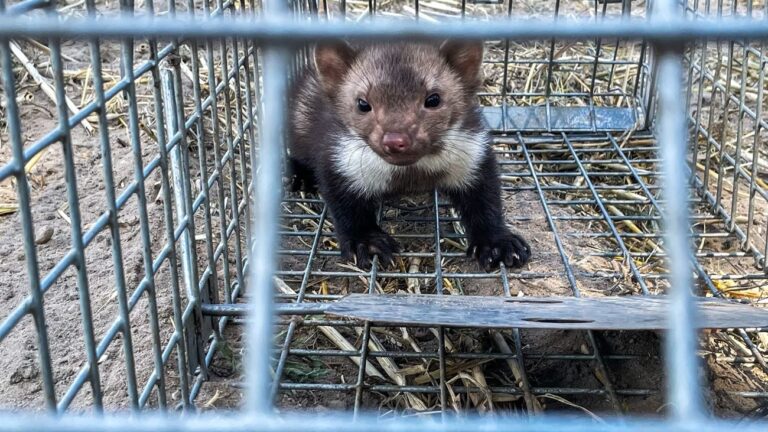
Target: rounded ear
332 62
465 57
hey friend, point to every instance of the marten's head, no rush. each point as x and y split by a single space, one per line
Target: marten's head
405 101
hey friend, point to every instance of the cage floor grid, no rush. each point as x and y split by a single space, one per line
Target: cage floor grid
589 205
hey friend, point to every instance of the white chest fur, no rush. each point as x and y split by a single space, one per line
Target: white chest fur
454 167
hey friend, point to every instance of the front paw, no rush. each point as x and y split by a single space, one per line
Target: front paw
507 247
361 249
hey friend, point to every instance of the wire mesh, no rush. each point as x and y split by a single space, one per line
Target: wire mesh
209 104
582 172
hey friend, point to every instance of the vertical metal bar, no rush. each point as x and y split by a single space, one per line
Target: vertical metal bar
138 175
626 12
109 190
756 143
647 97
198 331
196 297
259 111
681 341
691 50
70 174
439 291
27 225
712 98
550 67
700 97
217 156
595 64
242 137
366 334
760 103
740 130
251 141
265 222
726 105
650 86
359 384
505 75
530 400
232 172
366 328
191 335
179 171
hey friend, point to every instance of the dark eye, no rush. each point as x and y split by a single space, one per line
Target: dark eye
432 101
363 105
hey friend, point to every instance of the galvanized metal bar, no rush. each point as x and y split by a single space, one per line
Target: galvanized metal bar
112 211
241 309
169 108
215 137
73 201
681 341
441 351
198 295
595 64
27 224
550 66
268 193
237 145
178 170
127 54
232 198
505 74
286 31
740 123
343 423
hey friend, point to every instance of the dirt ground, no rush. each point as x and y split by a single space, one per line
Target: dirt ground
727 368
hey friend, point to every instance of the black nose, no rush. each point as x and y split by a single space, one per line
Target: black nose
396 142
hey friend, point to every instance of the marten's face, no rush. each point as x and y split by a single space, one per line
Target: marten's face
403 101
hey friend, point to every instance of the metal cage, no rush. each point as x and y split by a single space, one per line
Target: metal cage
152 262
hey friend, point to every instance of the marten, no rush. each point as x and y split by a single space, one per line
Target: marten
376 121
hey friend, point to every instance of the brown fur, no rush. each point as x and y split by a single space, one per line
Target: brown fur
339 148
395 79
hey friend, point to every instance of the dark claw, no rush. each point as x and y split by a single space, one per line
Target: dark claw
509 248
361 250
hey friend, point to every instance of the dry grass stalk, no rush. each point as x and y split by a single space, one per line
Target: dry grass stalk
414 284
8 208
513 365
565 401
45 86
333 335
632 227
392 371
